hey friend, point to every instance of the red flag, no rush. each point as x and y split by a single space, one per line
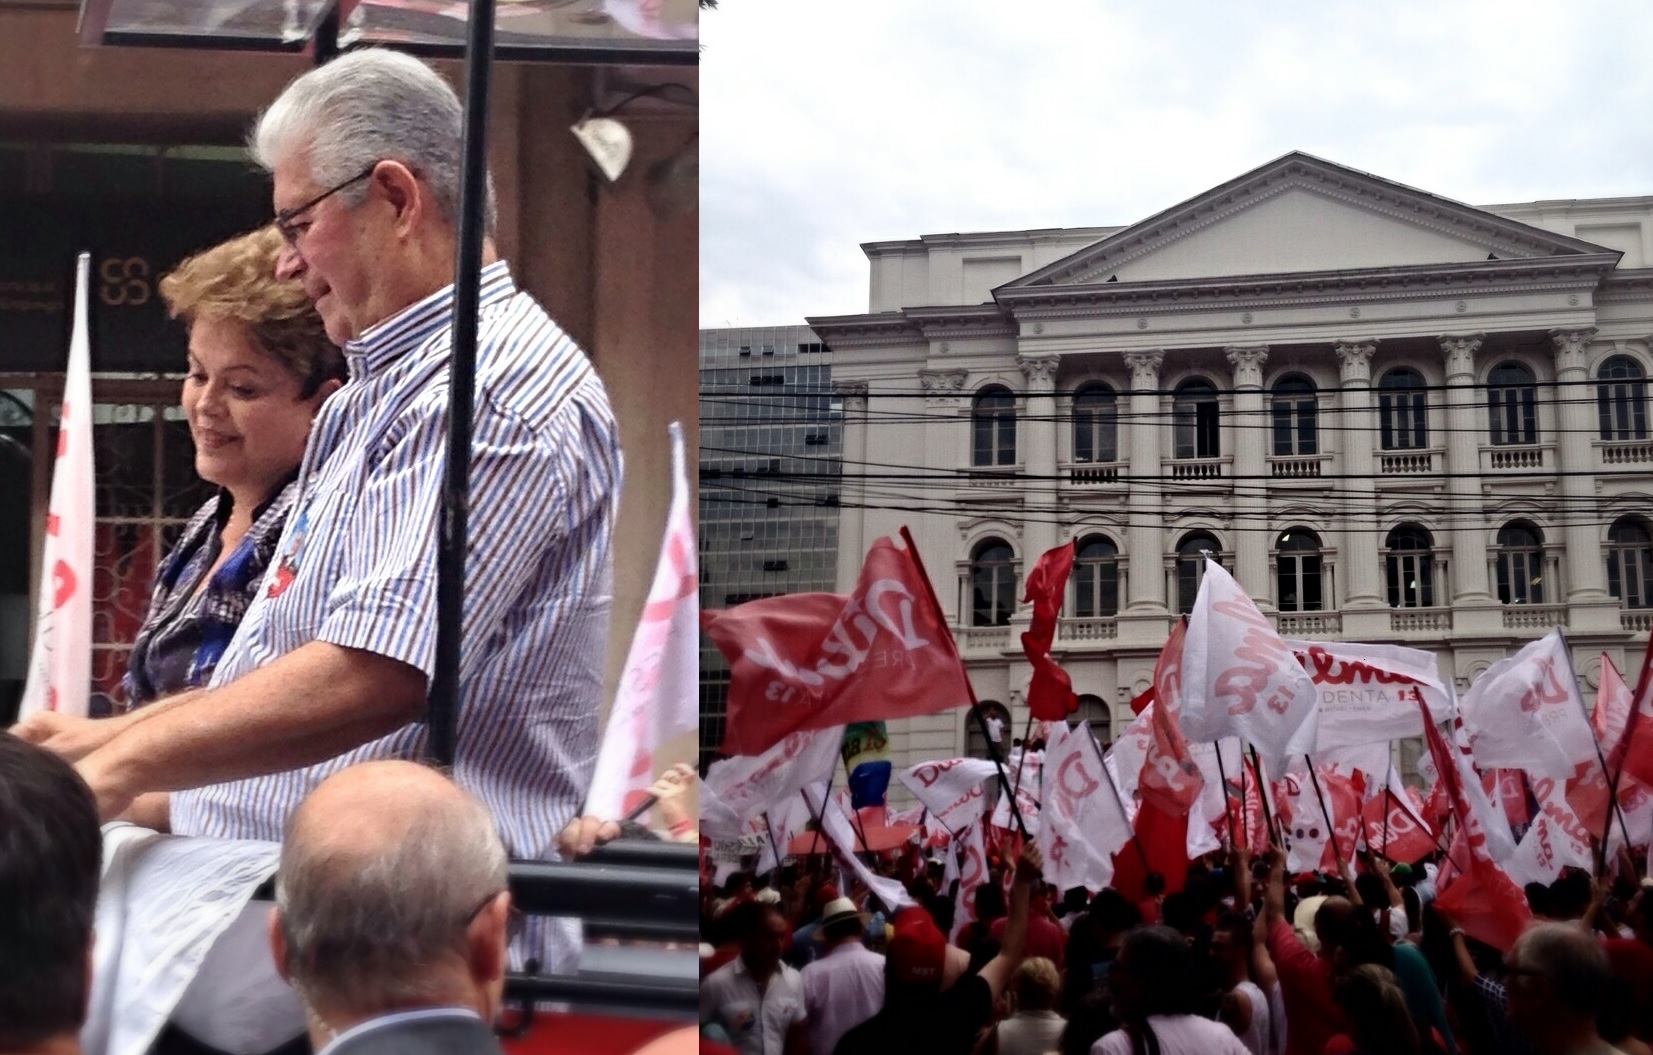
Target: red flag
1393 828
1170 777
1638 743
1050 695
1161 838
1487 904
809 661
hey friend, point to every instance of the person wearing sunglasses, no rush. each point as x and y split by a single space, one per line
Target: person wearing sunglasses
334 656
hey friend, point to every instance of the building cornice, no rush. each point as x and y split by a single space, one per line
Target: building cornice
1551 274
850 331
1626 286
981 320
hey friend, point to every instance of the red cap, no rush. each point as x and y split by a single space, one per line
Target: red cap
917 950
824 893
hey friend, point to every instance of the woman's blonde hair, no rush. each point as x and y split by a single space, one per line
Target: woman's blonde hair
1036 984
236 281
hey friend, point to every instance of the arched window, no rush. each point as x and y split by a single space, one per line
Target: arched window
1095 578
992 584
1093 711
1095 424
975 744
1520 564
1410 563
1630 563
1296 422
1298 571
1191 554
1512 404
1401 410
1621 399
1194 420
993 427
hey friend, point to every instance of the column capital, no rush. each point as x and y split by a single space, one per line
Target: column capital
1247 361
854 395
1459 351
1355 360
1144 367
1040 370
1571 347
942 387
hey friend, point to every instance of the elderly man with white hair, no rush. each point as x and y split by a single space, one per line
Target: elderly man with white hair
332 661
391 914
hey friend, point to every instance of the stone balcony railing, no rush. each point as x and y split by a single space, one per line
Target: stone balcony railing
1636 620
1307 624
1081 630
1534 616
1298 466
1199 468
1095 474
1420 620
1625 452
982 638
1409 463
1530 457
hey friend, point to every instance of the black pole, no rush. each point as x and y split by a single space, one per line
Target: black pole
1222 775
1118 799
1331 829
1262 797
450 556
326 40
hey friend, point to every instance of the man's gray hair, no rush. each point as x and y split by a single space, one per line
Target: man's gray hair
364 927
368 106
1571 960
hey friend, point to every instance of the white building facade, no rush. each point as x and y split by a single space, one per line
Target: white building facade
1393 417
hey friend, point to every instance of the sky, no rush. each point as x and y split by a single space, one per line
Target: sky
826 125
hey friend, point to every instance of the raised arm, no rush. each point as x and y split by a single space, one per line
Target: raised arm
997 972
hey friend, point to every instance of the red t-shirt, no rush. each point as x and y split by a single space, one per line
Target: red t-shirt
1306 986
1045 937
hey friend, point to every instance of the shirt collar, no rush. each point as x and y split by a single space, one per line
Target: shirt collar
388 338
397 1018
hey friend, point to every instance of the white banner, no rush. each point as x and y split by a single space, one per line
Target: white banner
951 789
1239 678
740 788
1027 792
659 692
1554 840
60 665
1526 713
972 871
840 833
1080 827
1369 694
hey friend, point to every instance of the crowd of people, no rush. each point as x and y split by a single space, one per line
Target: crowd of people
1238 958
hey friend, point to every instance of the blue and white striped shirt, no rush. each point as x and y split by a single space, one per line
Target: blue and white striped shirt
356 565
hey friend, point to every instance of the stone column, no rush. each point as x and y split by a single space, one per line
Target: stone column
1145 535
1251 527
1590 606
852 542
1038 433
943 446
1474 606
1360 581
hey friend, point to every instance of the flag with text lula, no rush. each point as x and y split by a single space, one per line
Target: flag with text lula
807 661
1239 678
1050 694
1525 712
659 693
60 664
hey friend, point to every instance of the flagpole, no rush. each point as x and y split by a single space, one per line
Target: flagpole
860 828
1118 799
1331 829
1262 797
1245 811
815 841
1606 774
774 846
1222 774
1021 760
1388 777
952 646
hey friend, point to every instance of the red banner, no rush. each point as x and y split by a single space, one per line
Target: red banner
1050 694
809 661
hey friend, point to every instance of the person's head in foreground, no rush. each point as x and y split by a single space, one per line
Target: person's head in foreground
1036 984
1557 977
1154 974
1375 1010
260 363
51 856
918 961
391 896
762 932
366 152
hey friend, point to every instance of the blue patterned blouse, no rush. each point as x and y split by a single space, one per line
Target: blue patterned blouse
189 624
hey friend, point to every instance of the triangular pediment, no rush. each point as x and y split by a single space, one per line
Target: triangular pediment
1300 214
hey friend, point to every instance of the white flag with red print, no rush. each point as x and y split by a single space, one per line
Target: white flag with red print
659 694
1526 713
60 666
1239 677
951 789
1080 826
737 789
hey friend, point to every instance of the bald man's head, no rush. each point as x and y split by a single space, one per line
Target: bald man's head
385 869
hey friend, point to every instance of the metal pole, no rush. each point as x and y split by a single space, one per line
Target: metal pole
450 556
1222 775
326 41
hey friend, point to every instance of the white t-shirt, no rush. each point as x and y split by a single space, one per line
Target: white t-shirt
755 1021
1256 1038
1177 1035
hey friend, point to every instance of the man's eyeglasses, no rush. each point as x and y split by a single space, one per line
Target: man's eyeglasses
287 222
515 920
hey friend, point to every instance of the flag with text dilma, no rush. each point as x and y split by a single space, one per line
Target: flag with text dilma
808 661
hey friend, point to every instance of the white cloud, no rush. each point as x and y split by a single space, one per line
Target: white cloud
829 125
